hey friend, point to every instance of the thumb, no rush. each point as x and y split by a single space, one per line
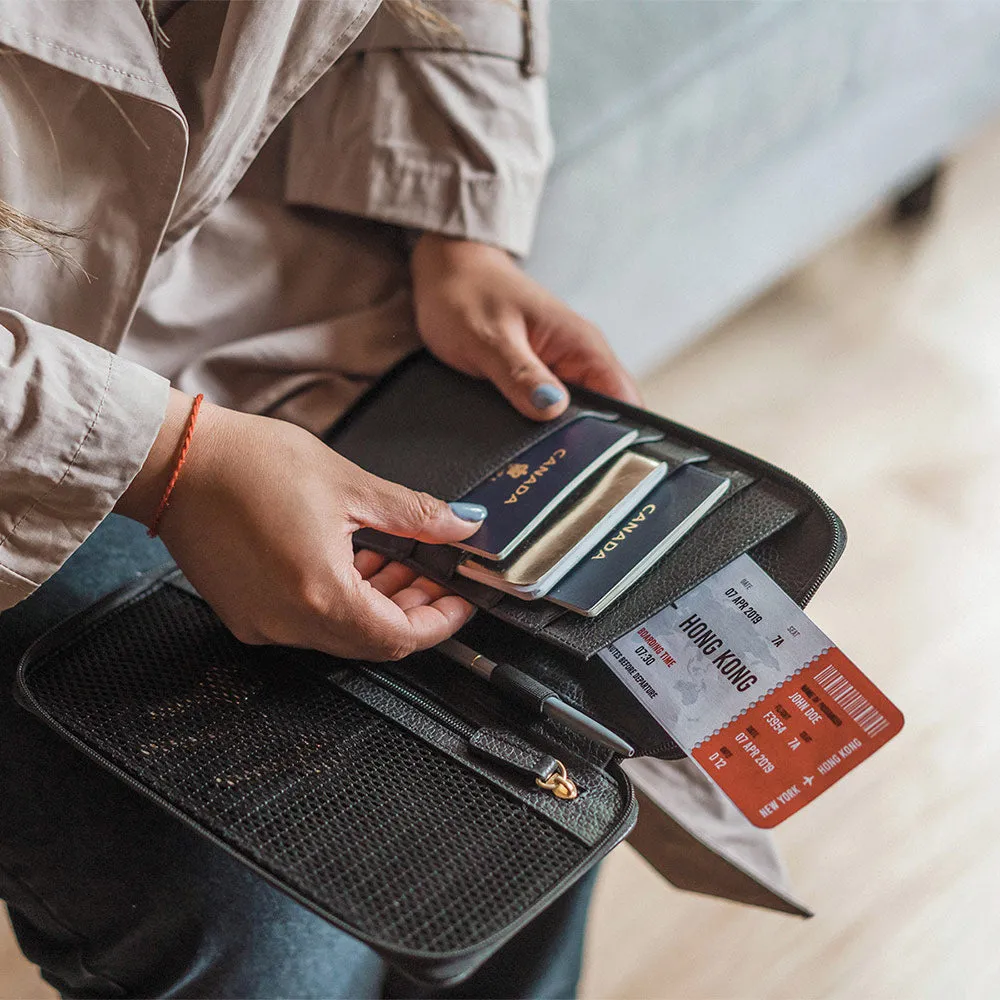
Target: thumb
399 511
528 384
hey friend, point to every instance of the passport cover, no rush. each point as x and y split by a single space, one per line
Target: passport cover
666 514
573 530
523 492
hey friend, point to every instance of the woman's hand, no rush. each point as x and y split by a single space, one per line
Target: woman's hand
261 519
477 311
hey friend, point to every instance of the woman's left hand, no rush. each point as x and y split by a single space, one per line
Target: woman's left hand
477 311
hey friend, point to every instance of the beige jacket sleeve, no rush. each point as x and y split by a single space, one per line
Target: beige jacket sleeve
75 427
447 132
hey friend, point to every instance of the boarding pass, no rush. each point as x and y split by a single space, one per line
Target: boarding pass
736 673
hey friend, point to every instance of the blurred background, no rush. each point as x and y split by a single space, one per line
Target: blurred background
704 149
786 216
873 373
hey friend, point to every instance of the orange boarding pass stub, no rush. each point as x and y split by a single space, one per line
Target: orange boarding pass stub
736 673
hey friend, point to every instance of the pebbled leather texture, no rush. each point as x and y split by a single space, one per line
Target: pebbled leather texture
675 453
789 556
433 429
741 523
520 686
513 752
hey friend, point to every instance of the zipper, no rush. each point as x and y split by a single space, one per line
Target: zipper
429 706
836 524
839 532
614 836
718 449
549 773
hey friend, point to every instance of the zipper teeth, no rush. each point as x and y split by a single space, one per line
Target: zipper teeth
836 525
432 707
321 909
839 535
689 435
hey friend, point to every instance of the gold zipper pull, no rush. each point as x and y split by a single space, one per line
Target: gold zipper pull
559 783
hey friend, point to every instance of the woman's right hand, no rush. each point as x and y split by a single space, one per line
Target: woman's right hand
260 521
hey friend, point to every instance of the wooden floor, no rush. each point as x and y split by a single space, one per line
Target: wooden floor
873 374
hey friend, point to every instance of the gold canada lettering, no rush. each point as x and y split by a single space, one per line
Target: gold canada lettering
536 475
626 529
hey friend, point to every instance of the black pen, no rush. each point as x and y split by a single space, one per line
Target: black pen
535 695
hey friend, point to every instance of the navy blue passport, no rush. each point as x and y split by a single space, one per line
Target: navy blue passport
519 496
664 517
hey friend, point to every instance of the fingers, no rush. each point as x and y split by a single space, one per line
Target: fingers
610 378
417 593
399 511
404 586
392 578
574 348
367 563
425 612
407 590
435 622
587 357
433 613
530 386
370 624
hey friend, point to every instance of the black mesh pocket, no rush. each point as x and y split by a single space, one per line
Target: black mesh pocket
362 820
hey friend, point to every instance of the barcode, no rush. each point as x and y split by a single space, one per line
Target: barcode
854 704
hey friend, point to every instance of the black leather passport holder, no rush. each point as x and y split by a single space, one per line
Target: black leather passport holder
405 802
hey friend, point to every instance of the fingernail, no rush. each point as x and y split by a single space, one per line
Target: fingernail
469 511
546 395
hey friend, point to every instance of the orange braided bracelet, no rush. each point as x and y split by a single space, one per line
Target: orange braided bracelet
154 528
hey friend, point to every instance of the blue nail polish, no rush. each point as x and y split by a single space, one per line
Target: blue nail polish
546 395
469 511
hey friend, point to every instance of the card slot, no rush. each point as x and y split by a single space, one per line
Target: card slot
738 480
646 535
477 593
665 449
528 616
647 435
534 616
744 520
682 436
391 546
434 429
436 562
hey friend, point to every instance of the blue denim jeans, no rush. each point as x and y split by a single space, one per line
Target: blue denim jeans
112 897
